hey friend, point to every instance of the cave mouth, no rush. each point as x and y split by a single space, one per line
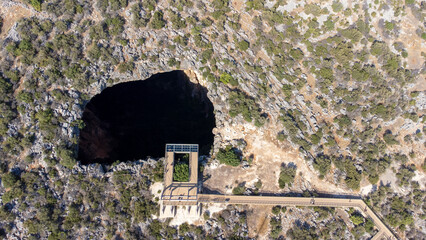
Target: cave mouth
135 120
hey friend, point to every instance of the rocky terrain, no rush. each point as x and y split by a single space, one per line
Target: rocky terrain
313 97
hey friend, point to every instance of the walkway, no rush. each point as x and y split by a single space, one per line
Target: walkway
384 231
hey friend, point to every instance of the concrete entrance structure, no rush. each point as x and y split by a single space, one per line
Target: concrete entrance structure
180 193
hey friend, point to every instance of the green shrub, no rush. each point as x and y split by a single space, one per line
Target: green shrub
405 174
357 218
389 138
246 106
344 121
227 78
44 118
66 158
287 175
9 179
276 210
36 4
126 67
353 177
239 190
177 21
313 9
157 21
353 34
228 156
296 54
181 172
115 25
337 6
243 45
322 163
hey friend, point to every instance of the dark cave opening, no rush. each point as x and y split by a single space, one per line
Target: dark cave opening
134 120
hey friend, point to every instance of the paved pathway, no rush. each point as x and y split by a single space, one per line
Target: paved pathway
384 231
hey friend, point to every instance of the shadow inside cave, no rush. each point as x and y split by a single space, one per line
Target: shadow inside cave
135 120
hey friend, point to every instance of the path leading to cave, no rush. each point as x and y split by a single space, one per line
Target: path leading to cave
384 231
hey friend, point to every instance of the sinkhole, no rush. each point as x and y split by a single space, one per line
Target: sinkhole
134 120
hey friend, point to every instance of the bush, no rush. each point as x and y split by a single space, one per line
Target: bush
357 218
228 156
115 25
157 21
405 174
66 158
322 163
353 177
243 45
181 172
126 67
287 175
344 121
246 106
239 190
389 138
296 54
302 231
276 210
44 118
227 78
36 4
337 6
9 179
177 21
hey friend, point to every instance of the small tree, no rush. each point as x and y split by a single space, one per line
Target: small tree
228 156
67 158
243 45
9 179
181 172
157 21
287 175
239 190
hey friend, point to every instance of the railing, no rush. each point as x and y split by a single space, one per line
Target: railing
181 147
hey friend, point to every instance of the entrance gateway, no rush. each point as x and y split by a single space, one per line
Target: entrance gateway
180 193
